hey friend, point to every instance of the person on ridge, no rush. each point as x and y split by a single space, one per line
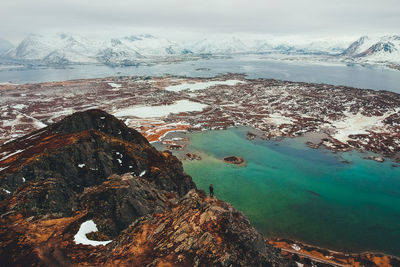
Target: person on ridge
211 188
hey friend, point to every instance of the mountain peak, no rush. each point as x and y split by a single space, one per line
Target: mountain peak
96 119
89 167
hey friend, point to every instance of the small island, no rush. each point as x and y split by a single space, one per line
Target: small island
235 160
191 156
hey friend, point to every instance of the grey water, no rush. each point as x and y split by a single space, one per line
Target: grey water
368 77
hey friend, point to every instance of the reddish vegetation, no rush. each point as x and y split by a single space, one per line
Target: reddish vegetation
153 135
332 257
276 108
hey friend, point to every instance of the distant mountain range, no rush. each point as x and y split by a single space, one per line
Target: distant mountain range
5 46
383 49
63 49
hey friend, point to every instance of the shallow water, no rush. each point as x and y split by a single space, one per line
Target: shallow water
254 66
291 191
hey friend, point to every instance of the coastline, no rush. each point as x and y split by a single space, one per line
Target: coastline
352 118
234 160
328 256
335 257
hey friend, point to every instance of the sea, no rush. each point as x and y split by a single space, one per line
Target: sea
253 66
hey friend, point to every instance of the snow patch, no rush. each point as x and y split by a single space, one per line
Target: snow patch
12 154
356 124
3 168
279 119
142 173
115 86
160 111
86 228
296 247
81 165
19 106
39 124
5 190
200 85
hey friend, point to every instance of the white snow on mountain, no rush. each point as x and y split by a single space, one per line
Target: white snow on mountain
231 45
71 48
62 49
149 45
375 49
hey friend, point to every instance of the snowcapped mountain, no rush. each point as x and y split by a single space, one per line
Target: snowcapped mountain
380 49
52 48
150 45
64 49
231 45
5 45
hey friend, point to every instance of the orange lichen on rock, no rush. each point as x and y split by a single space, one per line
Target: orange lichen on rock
333 257
154 135
380 261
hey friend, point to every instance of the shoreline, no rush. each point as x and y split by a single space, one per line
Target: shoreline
310 139
332 256
328 252
352 118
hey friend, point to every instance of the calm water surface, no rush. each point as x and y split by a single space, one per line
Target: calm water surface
289 190
253 66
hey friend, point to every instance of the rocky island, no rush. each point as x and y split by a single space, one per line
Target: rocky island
234 160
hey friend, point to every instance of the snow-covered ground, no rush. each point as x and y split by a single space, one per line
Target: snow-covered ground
160 111
278 119
86 228
200 85
115 86
354 124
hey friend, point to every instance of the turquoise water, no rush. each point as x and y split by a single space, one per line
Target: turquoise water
291 191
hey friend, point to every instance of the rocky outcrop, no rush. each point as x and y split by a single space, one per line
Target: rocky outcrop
234 160
83 150
90 166
197 231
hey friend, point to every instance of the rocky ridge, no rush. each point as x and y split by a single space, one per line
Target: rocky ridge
90 166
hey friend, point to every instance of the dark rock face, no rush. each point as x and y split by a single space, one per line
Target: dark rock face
90 166
99 120
120 200
84 149
197 231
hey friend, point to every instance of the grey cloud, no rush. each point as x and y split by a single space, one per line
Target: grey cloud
19 17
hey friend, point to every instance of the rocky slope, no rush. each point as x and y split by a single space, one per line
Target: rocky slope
369 49
91 167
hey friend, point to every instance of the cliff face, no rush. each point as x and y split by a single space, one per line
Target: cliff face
90 166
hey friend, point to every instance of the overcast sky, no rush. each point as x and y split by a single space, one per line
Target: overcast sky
205 17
